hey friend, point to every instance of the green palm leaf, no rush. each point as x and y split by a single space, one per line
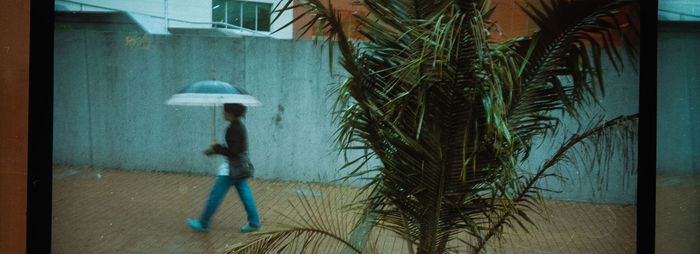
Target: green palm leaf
318 224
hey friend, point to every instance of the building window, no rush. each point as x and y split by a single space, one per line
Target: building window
251 15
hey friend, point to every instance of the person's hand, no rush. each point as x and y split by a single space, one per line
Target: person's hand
216 147
212 150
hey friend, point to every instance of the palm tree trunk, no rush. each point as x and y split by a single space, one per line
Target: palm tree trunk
430 241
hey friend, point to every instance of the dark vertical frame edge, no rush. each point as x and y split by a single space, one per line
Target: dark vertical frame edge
646 181
40 131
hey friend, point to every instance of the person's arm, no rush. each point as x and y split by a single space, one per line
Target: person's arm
235 142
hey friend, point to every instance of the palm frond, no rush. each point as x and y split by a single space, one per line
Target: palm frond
605 136
565 46
316 224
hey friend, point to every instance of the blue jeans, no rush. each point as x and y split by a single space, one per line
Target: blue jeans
218 192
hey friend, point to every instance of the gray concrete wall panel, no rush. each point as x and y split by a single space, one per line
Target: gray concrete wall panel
71 125
678 140
110 111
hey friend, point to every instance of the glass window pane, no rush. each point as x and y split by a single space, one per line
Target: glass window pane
249 15
217 11
264 17
234 13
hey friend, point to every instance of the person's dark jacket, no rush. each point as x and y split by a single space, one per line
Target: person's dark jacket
236 141
236 145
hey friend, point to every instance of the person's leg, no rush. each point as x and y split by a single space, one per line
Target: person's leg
246 196
218 192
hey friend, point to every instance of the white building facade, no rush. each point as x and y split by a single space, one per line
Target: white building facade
157 16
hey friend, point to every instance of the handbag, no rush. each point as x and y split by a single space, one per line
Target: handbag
240 168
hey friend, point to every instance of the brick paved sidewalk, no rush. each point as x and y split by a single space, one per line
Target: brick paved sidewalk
113 211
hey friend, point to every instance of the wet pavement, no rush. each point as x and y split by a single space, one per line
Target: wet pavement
115 211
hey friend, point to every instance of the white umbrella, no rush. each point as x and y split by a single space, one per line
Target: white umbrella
212 93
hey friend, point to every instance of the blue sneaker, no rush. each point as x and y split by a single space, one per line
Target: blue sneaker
197 225
249 228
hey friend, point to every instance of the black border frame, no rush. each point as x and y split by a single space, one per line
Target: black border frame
40 130
646 166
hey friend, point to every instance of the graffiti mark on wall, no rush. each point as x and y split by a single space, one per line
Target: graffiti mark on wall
136 41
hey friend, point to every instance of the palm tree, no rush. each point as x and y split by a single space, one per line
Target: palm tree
451 116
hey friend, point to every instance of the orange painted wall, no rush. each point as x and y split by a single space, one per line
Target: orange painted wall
511 21
14 108
345 9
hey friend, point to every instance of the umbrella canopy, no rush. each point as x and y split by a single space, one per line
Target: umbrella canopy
212 93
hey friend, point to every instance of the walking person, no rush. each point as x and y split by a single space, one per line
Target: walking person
233 172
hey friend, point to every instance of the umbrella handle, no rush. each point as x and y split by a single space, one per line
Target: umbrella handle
213 130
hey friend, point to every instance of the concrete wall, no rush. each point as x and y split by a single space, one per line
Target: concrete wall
110 92
683 10
678 140
111 88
